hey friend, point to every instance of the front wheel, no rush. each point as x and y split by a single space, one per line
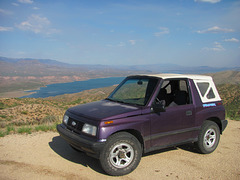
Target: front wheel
208 138
121 155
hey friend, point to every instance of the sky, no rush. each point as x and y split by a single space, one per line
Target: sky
123 32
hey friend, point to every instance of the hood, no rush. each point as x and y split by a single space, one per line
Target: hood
104 110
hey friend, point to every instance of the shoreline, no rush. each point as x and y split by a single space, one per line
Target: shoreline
21 93
15 94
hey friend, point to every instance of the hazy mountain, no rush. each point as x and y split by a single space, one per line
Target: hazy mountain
149 68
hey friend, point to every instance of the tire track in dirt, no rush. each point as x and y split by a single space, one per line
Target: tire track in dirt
39 170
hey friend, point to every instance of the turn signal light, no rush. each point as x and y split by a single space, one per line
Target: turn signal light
108 122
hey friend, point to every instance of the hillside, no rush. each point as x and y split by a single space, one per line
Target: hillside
226 77
31 111
24 74
230 94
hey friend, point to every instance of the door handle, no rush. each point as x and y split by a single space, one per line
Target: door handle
188 113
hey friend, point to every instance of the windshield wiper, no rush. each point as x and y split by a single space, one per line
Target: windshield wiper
124 102
114 100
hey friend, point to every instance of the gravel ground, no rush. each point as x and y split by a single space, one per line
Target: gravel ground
47 156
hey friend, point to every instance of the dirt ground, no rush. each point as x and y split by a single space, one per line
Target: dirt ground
47 156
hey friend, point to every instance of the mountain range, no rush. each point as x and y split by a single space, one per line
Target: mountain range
18 74
154 68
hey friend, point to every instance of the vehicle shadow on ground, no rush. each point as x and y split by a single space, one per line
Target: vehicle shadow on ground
59 146
159 151
186 147
189 147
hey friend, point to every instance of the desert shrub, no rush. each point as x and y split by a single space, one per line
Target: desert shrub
49 119
3 116
42 128
45 128
2 133
19 123
2 124
24 112
10 129
2 105
22 130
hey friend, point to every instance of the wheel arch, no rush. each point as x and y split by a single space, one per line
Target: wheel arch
135 133
217 121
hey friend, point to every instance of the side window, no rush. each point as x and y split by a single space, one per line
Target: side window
174 92
166 85
210 94
183 85
207 90
204 87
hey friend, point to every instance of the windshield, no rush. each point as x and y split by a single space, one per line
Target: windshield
134 91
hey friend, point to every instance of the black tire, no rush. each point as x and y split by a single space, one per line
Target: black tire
208 137
121 154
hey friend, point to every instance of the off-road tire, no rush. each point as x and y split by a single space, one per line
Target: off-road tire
121 154
208 137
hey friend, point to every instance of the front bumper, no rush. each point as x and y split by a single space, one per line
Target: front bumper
91 148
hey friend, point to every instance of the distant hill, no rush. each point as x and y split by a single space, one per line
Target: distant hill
18 74
173 68
24 74
226 77
154 68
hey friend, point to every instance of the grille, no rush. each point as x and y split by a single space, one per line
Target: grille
75 125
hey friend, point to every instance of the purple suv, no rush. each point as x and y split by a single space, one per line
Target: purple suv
146 113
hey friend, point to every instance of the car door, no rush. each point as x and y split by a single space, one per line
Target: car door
176 124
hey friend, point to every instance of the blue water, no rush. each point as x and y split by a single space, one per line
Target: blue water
73 87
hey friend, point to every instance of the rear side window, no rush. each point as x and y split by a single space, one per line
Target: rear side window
203 87
211 94
207 90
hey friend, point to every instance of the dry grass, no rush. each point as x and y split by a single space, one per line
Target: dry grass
24 115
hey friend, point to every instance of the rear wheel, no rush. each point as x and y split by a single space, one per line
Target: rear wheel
208 138
121 155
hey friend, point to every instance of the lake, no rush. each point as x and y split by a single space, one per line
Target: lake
73 87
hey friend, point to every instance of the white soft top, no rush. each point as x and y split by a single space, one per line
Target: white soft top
198 80
189 76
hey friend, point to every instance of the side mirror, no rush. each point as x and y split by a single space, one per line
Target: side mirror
159 106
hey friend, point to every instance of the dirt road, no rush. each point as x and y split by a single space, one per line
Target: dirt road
47 156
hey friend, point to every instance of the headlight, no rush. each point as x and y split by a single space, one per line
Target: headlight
65 119
89 129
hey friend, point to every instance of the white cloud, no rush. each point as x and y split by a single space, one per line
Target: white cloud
231 40
37 24
25 1
208 1
132 42
121 44
163 30
15 4
36 8
217 47
215 29
5 28
5 12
